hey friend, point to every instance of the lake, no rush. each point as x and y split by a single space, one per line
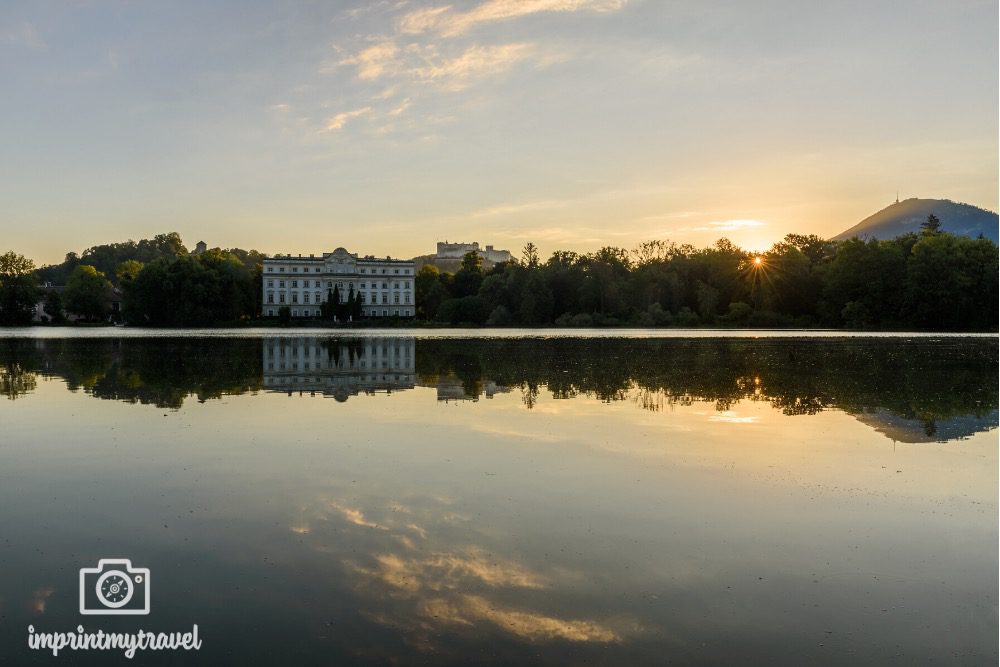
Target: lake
315 497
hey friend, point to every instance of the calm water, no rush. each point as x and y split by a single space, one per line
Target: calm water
456 500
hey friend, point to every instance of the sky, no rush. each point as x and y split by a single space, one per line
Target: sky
388 125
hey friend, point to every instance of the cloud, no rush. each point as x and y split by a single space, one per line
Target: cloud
448 23
403 106
529 625
341 119
352 515
24 35
725 226
473 64
40 598
430 64
375 61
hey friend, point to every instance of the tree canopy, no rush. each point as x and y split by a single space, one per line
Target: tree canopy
934 280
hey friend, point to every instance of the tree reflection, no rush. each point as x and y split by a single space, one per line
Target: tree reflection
160 372
924 380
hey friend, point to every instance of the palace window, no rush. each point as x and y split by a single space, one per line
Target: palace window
305 298
295 297
295 269
295 283
281 298
395 298
270 297
270 283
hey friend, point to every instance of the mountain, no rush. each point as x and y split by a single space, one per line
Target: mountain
906 216
900 429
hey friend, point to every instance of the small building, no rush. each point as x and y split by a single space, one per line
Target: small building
384 287
112 305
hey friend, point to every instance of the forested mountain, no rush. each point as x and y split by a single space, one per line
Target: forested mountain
904 217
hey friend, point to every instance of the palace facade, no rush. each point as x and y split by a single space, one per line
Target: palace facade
383 286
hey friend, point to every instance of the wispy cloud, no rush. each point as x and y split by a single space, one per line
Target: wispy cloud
729 225
23 35
403 106
449 23
375 61
475 63
426 52
338 121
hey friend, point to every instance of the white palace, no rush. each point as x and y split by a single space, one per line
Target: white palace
303 284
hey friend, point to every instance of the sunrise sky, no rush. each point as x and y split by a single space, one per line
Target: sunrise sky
387 126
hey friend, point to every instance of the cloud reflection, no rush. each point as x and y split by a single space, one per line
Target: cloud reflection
426 559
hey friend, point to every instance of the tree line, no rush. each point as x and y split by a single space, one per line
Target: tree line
157 282
928 281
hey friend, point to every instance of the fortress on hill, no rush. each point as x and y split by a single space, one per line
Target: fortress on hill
448 250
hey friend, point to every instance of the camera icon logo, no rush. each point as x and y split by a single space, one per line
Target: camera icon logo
114 587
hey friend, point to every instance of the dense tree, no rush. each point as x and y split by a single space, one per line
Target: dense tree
87 293
470 276
107 257
209 288
929 281
931 226
18 289
428 291
530 255
54 306
951 283
127 271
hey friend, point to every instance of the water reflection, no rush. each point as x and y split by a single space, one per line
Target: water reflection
613 502
910 390
338 368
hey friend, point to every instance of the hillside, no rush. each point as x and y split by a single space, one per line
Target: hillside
905 216
445 265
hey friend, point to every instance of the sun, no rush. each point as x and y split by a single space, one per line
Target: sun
757 261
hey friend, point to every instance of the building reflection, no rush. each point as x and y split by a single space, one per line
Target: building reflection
339 368
451 388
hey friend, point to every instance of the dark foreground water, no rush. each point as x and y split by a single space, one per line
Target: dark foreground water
309 500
